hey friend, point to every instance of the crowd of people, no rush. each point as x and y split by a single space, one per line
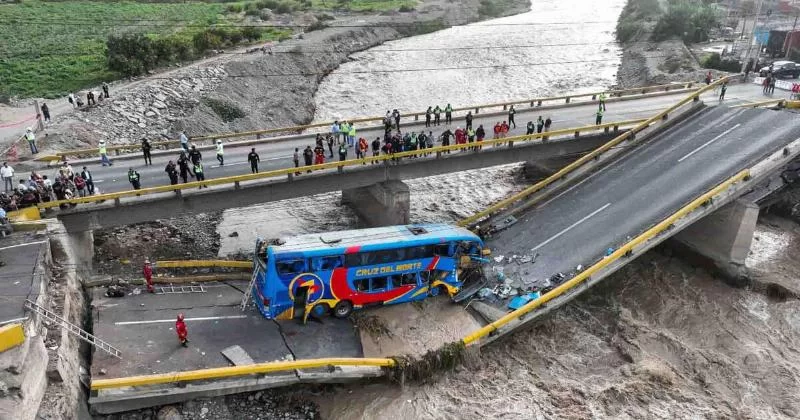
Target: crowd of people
36 188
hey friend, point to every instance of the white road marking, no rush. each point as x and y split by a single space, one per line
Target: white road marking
98 181
161 321
573 187
703 146
17 246
567 229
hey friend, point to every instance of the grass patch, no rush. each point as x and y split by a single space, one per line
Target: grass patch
51 48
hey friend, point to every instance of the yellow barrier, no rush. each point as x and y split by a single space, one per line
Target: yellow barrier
335 164
11 336
24 215
227 372
539 101
586 274
772 102
586 158
203 263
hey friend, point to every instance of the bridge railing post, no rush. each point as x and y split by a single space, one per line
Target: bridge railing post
236 185
539 103
567 99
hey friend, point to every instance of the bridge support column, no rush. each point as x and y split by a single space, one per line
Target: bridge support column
724 237
382 204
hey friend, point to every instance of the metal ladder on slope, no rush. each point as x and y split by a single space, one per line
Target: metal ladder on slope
74 329
172 289
249 292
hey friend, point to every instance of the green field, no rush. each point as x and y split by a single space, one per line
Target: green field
49 48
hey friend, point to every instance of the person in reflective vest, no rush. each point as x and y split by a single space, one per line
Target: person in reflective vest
220 152
342 152
602 99
599 117
133 178
437 115
448 114
31 140
104 154
198 173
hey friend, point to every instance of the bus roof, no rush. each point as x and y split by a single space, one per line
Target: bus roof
373 238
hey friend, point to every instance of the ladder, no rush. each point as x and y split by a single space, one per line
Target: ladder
249 292
171 289
74 329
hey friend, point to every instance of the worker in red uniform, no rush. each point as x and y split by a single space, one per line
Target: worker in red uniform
180 329
148 275
319 155
497 129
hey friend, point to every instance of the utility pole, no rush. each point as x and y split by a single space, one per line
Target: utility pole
752 36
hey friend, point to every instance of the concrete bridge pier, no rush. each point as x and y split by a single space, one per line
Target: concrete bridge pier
724 237
381 204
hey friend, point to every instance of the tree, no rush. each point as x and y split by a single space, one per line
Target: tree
130 54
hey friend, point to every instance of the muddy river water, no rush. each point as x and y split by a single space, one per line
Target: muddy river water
659 340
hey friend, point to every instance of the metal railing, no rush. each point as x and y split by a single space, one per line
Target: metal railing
340 165
535 102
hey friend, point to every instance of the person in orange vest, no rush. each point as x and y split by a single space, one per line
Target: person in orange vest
361 150
148 275
180 329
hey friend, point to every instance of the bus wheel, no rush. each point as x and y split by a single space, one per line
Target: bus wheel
434 291
343 309
320 310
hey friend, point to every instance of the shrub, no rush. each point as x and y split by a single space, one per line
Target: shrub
628 29
405 9
251 33
234 8
316 26
283 7
685 20
130 54
226 110
715 61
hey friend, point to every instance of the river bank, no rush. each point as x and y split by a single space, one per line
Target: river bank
244 90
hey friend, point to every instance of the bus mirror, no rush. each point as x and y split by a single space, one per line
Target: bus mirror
486 251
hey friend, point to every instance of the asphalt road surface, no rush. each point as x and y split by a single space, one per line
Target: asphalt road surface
643 188
279 155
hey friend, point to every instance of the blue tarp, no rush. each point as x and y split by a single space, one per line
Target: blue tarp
762 36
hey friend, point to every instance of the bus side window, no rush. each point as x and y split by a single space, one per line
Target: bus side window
288 268
409 279
378 284
326 263
396 281
362 285
442 250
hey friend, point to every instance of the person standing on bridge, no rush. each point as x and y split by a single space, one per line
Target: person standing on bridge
147 271
598 117
183 165
448 114
351 135
428 115
342 153
376 148
87 176
446 139
195 156
530 128
319 153
172 172
437 112
183 333
547 123
602 101
220 153
133 178
497 129
330 145
198 173
511 113
296 159
396 115
468 118
539 124
104 154
148 159
363 147
335 130
184 141
722 91
7 173
253 158
308 157
387 123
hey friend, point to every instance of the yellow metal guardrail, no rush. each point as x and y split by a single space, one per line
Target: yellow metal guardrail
416 115
586 158
203 264
11 336
759 104
619 253
338 164
227 372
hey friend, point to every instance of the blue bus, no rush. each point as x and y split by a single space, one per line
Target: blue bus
336 272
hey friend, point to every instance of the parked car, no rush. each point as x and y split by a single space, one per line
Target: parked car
782 69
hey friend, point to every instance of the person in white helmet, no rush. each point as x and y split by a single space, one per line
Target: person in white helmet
104 154
220 152
31 140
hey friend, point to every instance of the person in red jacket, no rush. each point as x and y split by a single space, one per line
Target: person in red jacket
497 128
148 275
362 149
319 155
461 136
504 128
180 329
